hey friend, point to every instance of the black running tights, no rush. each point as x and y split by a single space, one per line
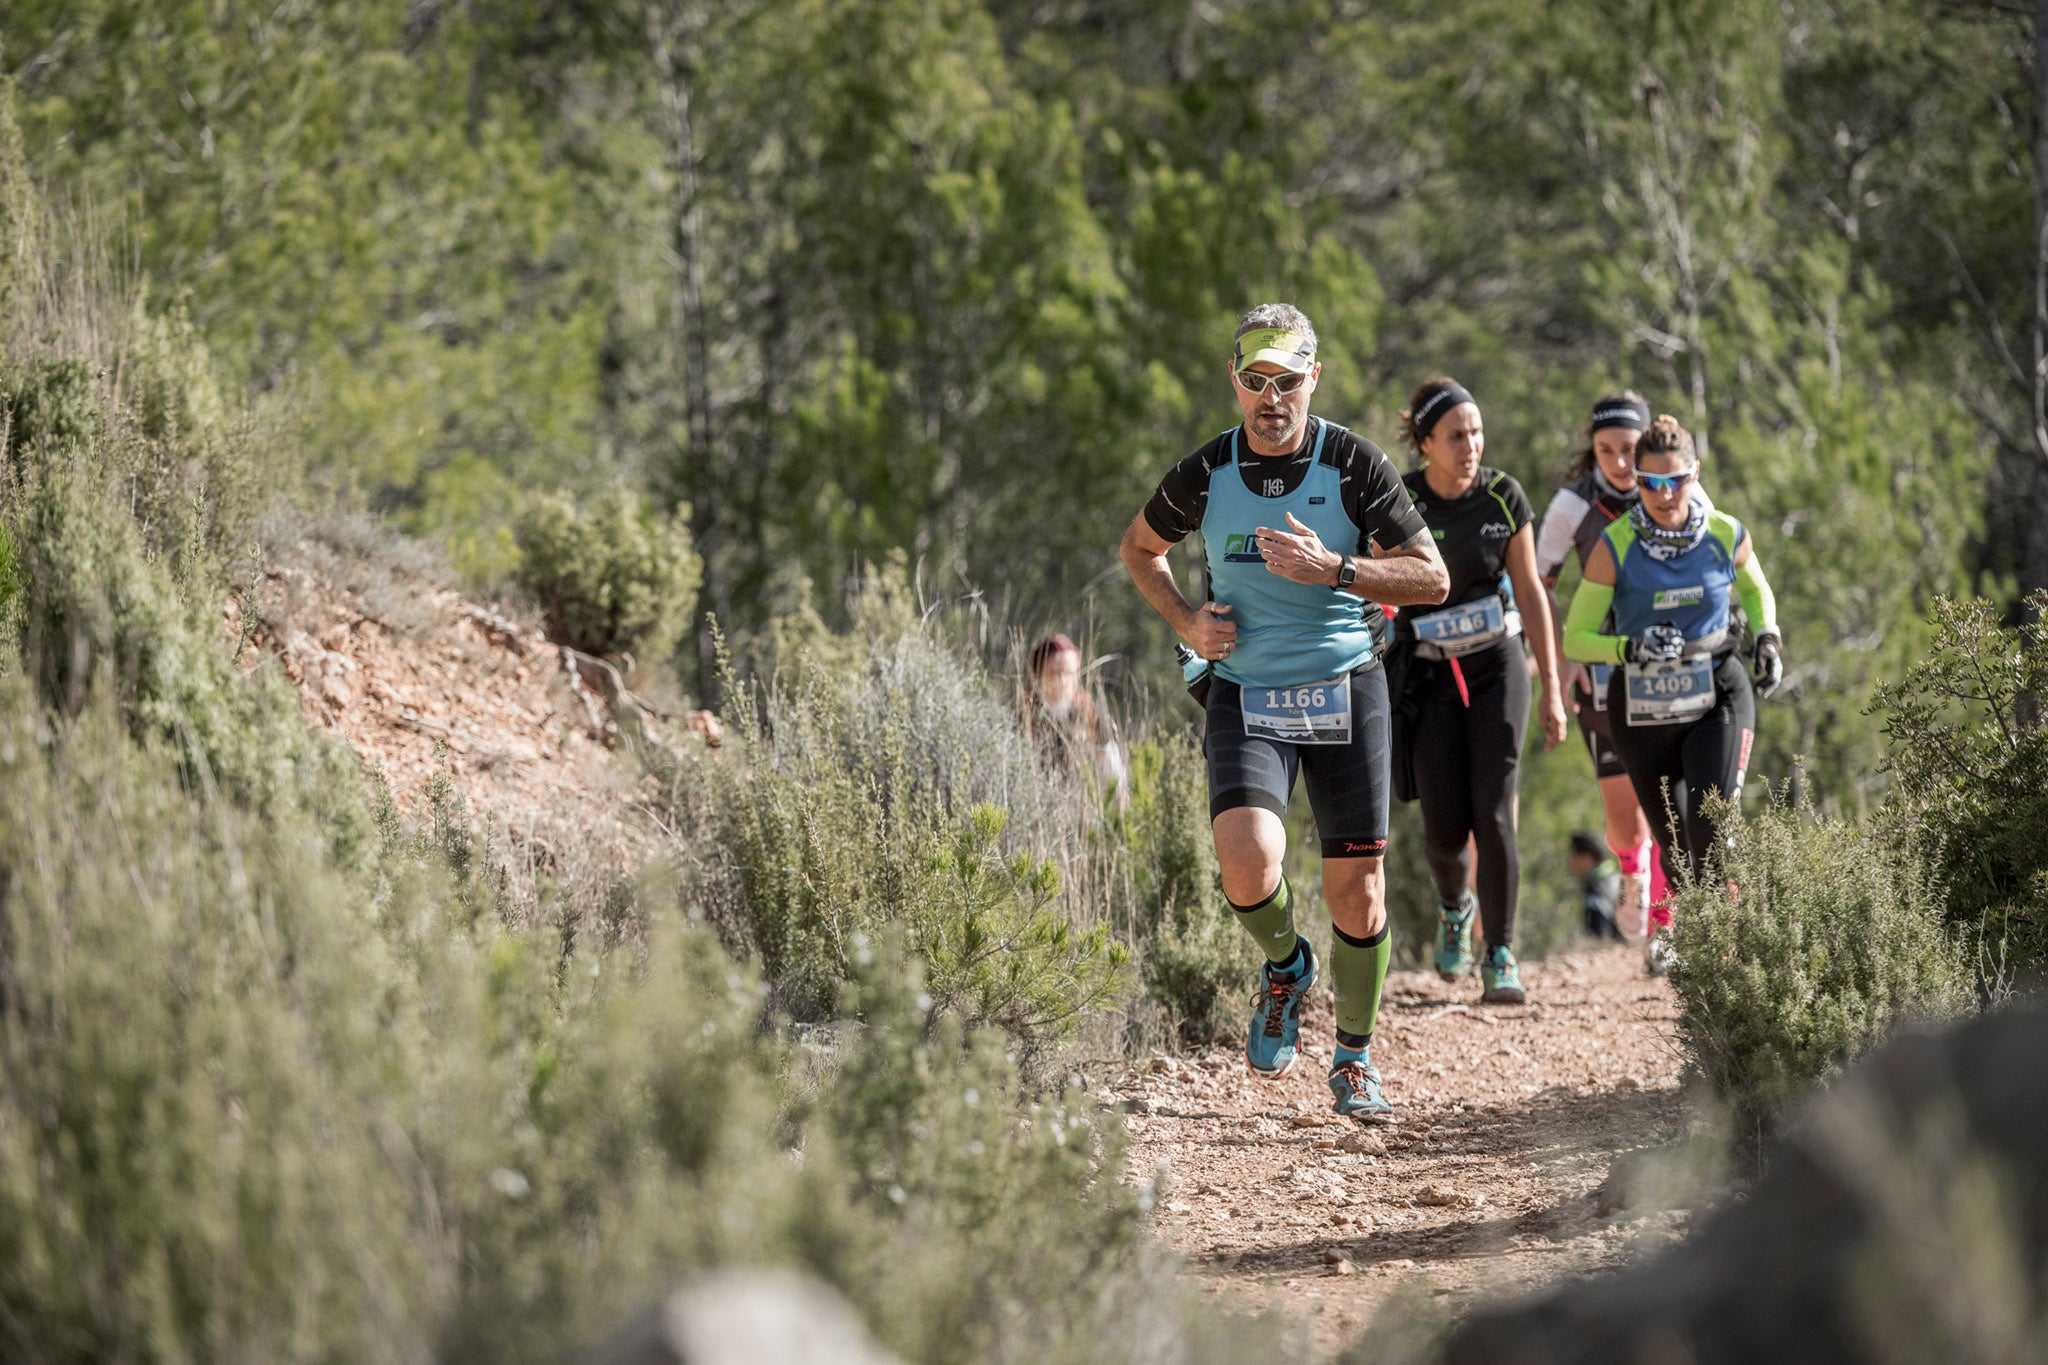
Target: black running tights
1468 752
1674 768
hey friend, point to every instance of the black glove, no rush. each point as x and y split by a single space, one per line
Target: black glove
1770 669
1658 644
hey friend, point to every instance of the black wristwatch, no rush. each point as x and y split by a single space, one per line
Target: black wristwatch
1347 572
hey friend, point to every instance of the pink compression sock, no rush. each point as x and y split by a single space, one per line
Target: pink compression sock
1631 860
1660 890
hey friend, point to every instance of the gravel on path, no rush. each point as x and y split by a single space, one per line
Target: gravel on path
1511 1118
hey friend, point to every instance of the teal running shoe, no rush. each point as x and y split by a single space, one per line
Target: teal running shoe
1356 1086
1501 976
1454 937
1271 1043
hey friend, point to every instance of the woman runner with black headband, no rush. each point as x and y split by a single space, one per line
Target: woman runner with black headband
1465 694
1600 486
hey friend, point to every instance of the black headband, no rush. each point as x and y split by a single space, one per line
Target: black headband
1630 413
1431 409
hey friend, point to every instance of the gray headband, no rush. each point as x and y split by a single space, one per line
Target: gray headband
1621 412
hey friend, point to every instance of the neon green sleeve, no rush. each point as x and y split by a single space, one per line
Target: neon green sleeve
1583 642
1758 600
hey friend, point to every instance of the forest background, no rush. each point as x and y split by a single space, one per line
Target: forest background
955 279
862 329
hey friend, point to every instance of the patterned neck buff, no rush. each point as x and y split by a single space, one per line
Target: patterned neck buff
1661 543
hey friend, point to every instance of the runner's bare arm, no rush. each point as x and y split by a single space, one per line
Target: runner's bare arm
1543 637
1207 629
1409 575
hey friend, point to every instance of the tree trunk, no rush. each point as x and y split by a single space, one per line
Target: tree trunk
2034 570
675 29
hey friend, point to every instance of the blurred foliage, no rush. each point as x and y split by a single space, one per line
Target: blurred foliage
613 579
1969 760
286 1078
1826 936
853 279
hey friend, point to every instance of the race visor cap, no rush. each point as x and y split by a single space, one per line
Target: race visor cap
1276 346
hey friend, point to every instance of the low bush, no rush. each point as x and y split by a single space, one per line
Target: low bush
1967 734
613 579
257 1106
1833 938
886 794
1194 960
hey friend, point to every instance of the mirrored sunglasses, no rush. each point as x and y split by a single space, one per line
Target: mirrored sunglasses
1666 483
1251 381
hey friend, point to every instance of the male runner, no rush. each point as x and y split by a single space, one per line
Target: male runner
1286 504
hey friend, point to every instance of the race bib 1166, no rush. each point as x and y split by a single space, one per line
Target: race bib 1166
1463 628
1311 713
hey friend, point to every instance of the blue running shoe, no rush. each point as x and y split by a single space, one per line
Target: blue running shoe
1454 937
1270 1042
1357 1088
1501 976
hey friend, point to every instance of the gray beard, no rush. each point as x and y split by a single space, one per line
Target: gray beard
1288 438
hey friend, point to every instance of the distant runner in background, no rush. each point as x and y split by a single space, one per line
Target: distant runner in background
1057 710
1657 606
1597 874
1600 486
1465 682
1304 526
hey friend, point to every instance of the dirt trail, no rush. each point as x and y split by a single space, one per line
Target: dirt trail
1490 1185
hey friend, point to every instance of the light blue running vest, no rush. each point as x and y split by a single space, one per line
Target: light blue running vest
1287 632
1691 590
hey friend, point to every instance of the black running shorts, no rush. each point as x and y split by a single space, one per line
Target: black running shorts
1347 783
1606 762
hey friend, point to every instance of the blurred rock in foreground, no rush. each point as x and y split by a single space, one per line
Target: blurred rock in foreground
746 1318
1904 1219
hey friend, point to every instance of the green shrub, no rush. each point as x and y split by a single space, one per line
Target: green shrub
257 1106
848 815
1836 937
48 404
1194 961
617 578
1968 739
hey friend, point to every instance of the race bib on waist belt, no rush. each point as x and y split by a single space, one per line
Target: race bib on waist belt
1672 693
1313 713
1461 629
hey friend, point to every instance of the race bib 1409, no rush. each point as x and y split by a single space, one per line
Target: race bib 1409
1668 694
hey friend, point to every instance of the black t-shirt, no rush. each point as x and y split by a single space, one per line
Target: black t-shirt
1471 533
1373 496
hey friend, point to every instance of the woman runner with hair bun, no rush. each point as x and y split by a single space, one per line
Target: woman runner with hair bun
1656 606
1465 694
1600 486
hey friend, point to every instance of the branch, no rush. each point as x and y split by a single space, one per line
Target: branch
1992 325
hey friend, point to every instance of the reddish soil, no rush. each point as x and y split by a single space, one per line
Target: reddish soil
421 682
1491 1184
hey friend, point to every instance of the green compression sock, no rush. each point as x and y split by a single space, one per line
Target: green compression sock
1271 923
1358 967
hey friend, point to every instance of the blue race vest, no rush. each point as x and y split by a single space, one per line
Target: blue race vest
1287 632
1691 589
